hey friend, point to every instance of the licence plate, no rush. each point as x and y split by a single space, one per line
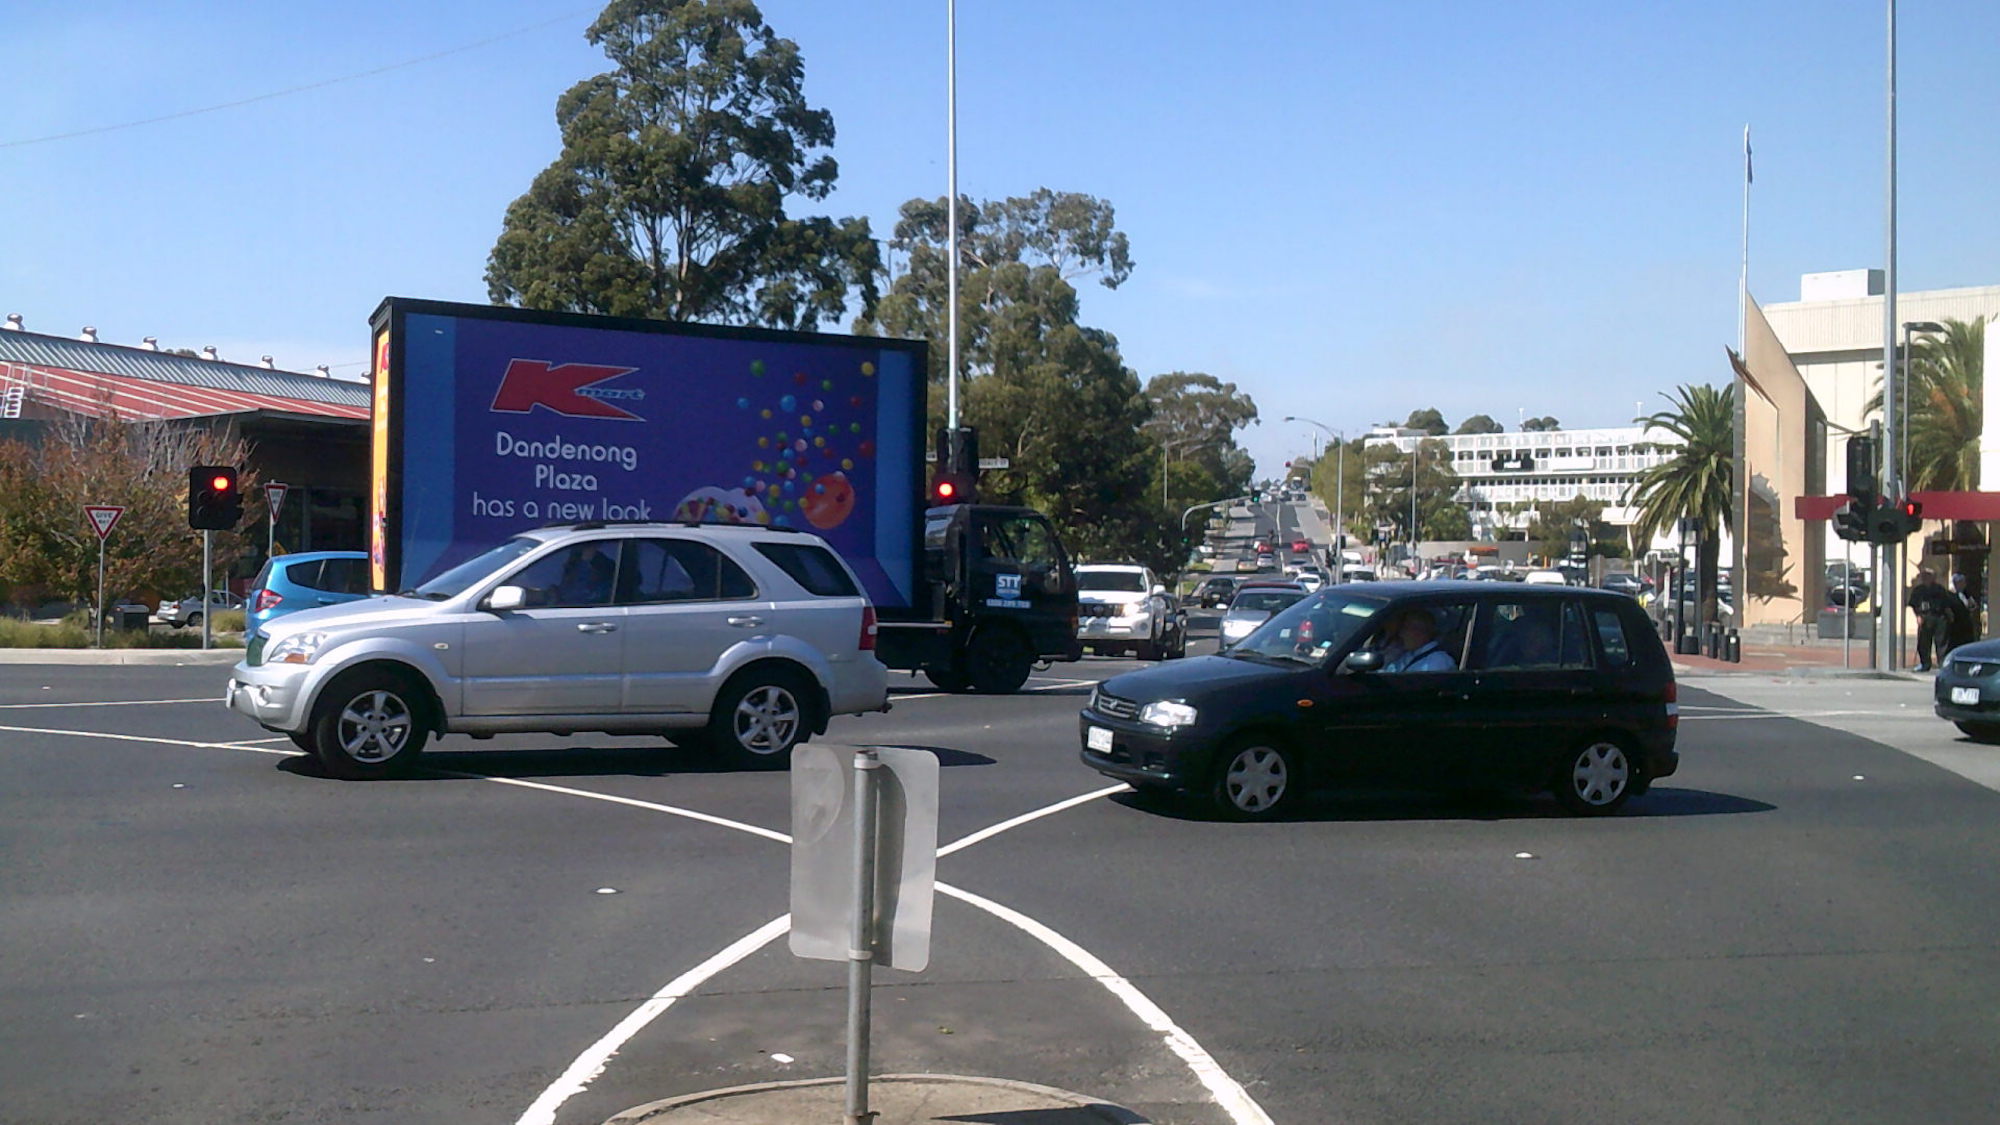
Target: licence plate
1969 695
1098 738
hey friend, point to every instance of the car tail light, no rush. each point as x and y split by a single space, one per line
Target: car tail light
868 628
1673 705
266 599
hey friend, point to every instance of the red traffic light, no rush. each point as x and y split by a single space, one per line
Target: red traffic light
220 483
946 490
1913 509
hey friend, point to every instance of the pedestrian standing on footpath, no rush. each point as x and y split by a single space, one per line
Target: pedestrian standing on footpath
1932 603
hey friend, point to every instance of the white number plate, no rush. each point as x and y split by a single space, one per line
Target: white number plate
1965 695
1099 739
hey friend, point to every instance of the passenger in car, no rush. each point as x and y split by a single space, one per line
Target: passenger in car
1414 647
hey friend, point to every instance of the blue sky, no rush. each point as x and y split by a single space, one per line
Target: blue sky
1349 210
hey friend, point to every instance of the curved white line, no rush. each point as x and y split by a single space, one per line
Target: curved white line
592 1061
1227 1092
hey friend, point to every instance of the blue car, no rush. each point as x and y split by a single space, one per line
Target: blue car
306 580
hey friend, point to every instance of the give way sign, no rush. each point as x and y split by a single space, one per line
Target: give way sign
102 517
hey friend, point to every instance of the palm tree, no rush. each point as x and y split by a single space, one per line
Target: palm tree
1697 483
1944 396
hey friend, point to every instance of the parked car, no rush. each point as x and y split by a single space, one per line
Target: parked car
1620 582
1254 604
188 610
1215 590
1561 688
1123 608
307 580
1545 576
743 640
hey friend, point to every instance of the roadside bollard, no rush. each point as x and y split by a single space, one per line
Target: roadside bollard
1733 647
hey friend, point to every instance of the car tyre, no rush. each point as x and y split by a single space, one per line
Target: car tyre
998 662
1257 779
1988 733
759 717
1147 650
1596 779
369 723
192 619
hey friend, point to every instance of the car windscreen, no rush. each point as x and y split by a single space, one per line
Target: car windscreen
1265 601
458 579
1121 581
1309 630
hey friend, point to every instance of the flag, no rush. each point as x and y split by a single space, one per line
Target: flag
1748 178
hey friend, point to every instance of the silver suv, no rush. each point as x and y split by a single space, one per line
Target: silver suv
739 639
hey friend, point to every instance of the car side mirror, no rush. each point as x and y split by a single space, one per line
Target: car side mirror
1363 660
505 597
1158 589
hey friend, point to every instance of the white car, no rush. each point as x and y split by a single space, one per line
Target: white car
188 610
740 639
1546 576
1122 607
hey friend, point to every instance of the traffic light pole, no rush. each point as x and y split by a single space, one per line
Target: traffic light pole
207 582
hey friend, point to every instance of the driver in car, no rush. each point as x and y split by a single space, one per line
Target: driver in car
1413 645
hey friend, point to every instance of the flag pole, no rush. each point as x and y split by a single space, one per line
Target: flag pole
1743 282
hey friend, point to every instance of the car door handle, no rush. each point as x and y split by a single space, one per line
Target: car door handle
1455 695
596 627
746 622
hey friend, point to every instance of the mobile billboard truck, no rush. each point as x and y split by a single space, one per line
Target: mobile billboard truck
489 421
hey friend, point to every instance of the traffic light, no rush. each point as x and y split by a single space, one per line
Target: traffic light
956 480
1894 522
1852 521
215 502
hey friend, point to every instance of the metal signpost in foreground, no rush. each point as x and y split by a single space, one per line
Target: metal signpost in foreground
864 821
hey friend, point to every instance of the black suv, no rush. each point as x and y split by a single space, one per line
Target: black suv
1509 686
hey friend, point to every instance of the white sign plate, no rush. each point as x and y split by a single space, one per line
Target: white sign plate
906 793
274 496
102 517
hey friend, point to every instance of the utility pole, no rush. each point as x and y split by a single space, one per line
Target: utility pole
1889 578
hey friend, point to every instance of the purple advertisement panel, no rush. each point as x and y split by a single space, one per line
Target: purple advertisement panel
511 423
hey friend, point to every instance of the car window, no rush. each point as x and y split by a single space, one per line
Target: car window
263 574
1611 637
304 573
1122 581
679 570
1310 629
456 580
579 575
1024 539
343 576
1265 601
1535 634
1434 641
812 567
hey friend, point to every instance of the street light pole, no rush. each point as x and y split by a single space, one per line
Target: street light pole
1890 653
1339 483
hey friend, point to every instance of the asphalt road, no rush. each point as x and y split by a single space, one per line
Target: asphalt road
195 927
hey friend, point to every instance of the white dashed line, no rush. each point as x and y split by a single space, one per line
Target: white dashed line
115 703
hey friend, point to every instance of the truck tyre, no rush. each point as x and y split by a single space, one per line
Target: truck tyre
997 661
759 716
369 723
951 678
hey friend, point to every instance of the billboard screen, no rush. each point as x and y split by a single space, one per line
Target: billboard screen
491 421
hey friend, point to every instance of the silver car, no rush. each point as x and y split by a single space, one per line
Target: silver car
1254 605
744 640
188 611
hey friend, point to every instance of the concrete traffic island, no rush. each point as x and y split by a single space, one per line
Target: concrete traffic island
893 1099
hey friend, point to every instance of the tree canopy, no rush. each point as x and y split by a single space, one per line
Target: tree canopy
1480 424
1544 424
1946 396
669 197
1429 420
1697 481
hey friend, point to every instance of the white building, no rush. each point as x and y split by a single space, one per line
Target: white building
1833 335
1505 476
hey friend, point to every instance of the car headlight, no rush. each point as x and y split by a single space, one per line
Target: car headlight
299 648
1167 713
1135 611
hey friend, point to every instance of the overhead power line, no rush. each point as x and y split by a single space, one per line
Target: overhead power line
288 91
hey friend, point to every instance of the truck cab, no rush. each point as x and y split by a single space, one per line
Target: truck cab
1001 598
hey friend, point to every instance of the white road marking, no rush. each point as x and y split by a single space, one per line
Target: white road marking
591 1063
1228 1093
114 703
1059 806
161 741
